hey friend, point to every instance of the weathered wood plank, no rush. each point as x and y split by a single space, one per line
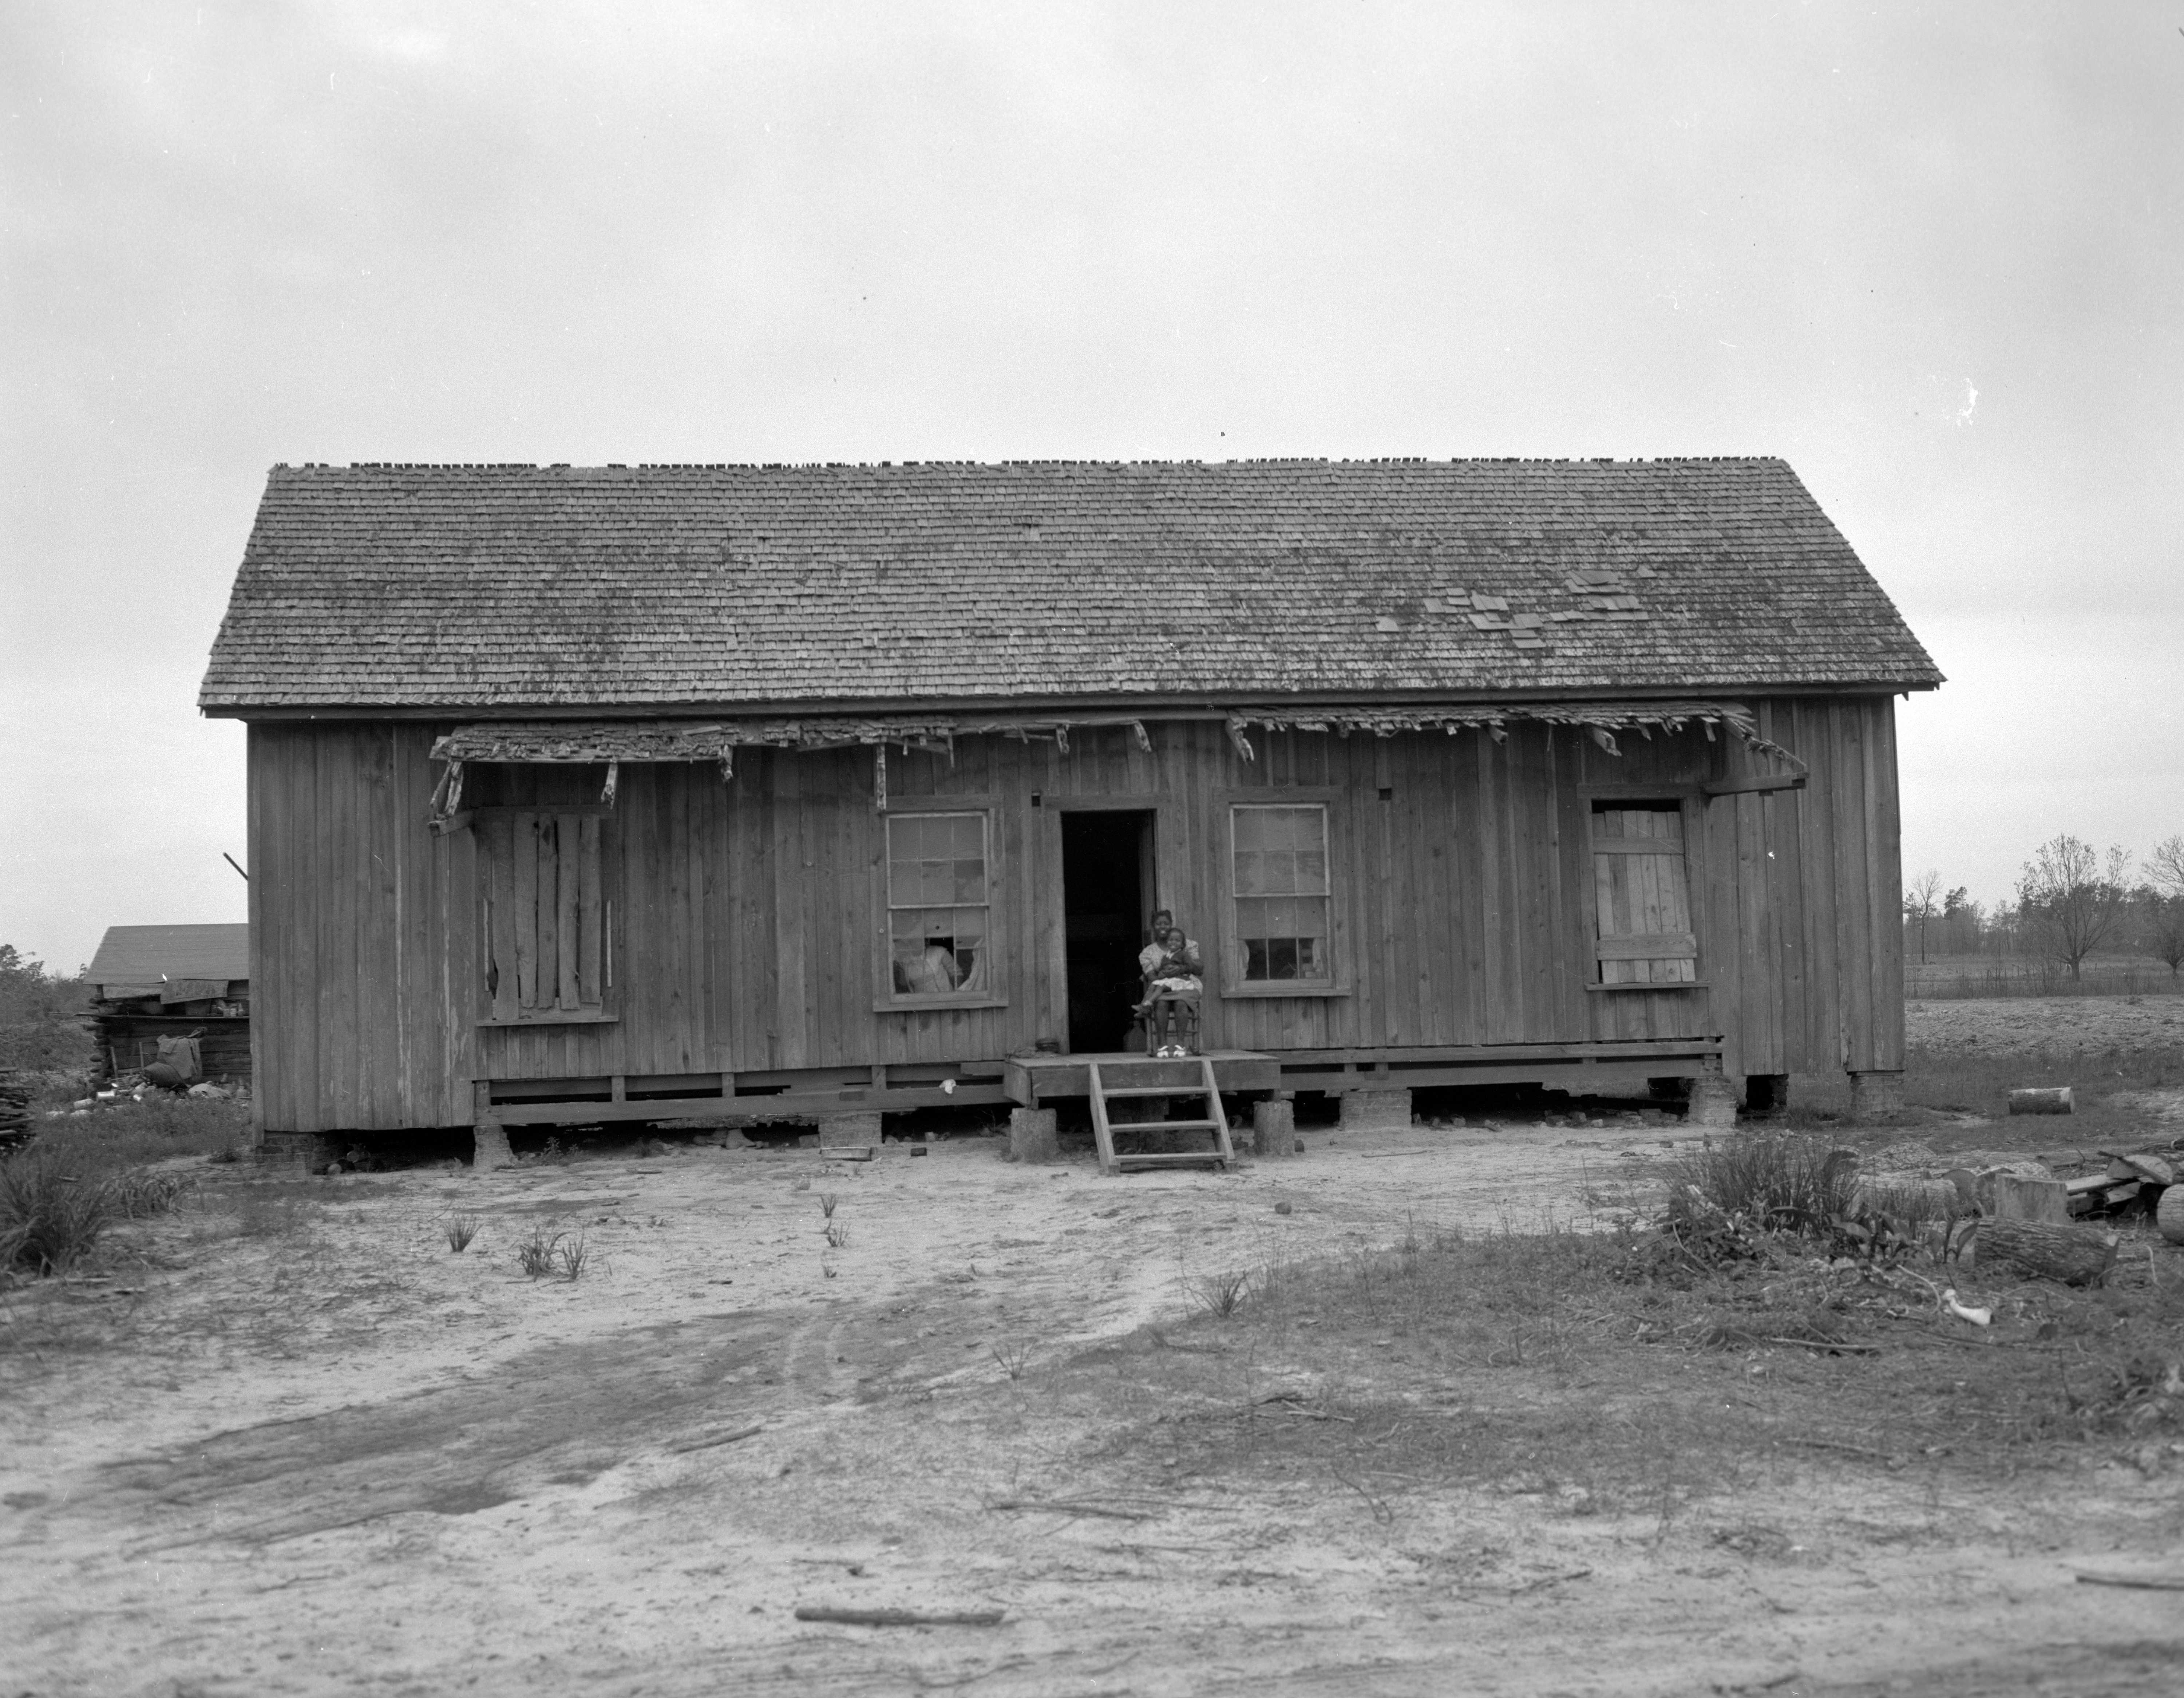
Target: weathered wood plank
523 853
591 910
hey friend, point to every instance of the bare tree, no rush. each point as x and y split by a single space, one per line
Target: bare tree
2164 903
2072 899
1922 902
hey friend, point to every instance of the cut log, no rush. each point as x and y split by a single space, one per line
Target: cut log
2042 1100
2168 1216
2020 1197
2073 1255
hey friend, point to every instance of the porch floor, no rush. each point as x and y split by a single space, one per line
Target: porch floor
1030 1079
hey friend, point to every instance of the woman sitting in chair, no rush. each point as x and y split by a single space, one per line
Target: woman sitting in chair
1177 973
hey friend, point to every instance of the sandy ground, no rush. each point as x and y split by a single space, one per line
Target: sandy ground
340 1458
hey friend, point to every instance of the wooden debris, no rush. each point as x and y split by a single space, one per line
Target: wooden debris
2074 1255
2042 1100
900 1618
1064 1507
2156 1169
2144 1583
739 1434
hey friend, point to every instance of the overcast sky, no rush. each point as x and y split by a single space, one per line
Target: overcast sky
1928 254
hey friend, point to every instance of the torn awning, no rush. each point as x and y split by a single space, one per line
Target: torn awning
1603 719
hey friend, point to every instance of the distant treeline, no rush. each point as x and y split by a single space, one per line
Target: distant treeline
2077 913
41 1016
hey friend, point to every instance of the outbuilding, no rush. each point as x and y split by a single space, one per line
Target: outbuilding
174 993
825 791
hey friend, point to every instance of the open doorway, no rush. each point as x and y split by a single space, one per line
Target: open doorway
1107 903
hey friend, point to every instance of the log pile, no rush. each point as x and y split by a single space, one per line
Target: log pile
15 1107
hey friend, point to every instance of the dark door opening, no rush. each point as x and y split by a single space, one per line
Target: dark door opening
1106 904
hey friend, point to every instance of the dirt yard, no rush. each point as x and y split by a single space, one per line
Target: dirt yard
288 1441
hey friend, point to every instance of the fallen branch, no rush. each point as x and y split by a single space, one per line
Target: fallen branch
900 1618
1548 1580
1048 1506
741 1433
2143 1582
1837 1444
1834 1347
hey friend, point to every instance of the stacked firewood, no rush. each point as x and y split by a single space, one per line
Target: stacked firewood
15 1107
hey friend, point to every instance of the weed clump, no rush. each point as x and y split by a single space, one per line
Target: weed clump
555 1255
56 1203
460 1231
52 1211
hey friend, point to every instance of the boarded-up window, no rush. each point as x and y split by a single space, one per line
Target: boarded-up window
939 904
1643 893
1281 892
547 919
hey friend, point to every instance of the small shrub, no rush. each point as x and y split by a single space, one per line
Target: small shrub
837 1234
460 1231
1014 1357
1220 1294
1756 1182
572 1257
827 1199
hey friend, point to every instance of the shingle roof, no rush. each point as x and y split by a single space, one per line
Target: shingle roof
508 587
145 954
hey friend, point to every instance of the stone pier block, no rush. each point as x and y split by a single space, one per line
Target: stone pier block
1273 1129
1375 1111
1712 1102
489 1147
1032 1136
1877 1095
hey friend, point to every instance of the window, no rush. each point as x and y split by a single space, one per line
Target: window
1281 891
939 904
548 922
1643 891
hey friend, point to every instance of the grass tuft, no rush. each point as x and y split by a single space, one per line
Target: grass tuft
460 1231
837 1234
536 1258
53 1210
1221 1294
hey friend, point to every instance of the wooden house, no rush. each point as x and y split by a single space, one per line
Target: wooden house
191 982
648 792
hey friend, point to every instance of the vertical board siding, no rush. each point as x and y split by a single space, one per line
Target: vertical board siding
746 919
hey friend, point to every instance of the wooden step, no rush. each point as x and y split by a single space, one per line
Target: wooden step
1164 1126
1113 1091
1213 1156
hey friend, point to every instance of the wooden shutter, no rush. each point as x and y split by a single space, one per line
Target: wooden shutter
1643 888
545 915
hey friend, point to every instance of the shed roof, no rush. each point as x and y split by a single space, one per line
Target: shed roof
145 954
520 587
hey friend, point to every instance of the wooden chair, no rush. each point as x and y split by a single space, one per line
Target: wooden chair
1172 1018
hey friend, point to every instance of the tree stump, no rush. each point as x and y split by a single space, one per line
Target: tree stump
2042 1100
2074 1255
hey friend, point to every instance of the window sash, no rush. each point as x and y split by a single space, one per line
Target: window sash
940 904
1281 897
1641 892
